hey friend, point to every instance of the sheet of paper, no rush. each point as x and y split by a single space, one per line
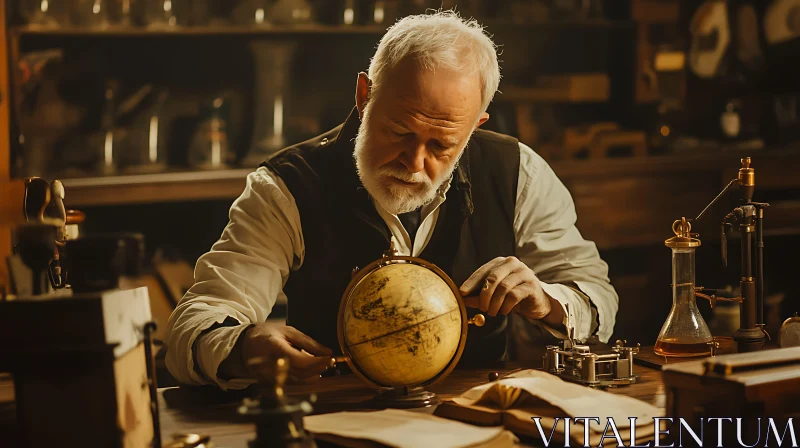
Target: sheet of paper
575 400
401 429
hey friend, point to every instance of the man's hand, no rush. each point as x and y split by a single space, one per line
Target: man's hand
506 284
307 358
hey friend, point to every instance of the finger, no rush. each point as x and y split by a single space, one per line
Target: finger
497 275
477 277
513 298
499 297
472 301
305 342
320 364
298 360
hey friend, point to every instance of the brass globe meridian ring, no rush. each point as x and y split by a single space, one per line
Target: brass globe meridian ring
369 269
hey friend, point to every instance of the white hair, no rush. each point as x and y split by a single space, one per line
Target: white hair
441 39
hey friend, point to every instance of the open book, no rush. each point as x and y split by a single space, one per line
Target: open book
518 401
403 429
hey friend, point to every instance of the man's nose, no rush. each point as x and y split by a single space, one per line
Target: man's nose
414 158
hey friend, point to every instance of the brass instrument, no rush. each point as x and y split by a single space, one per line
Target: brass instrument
748 219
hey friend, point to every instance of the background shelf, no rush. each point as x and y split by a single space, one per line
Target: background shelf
152 188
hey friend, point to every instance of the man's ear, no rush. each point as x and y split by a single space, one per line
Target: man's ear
363 88
483 118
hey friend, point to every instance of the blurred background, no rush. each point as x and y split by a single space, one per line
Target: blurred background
152 112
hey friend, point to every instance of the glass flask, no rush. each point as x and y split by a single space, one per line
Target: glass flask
685 332
273 64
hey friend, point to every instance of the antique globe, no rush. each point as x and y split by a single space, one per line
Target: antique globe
402 326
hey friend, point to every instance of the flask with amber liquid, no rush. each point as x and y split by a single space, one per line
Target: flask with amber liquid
685 332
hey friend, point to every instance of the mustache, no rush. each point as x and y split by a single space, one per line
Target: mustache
400 172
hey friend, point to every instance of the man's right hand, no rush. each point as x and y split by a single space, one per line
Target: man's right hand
307 358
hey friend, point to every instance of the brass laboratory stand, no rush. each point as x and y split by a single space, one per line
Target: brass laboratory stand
749 217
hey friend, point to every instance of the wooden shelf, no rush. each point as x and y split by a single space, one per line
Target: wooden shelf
308 29
150 188
776 167
229 30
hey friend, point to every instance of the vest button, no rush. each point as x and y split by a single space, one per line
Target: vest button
324 141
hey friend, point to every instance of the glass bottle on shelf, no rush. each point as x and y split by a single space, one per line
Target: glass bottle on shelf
273 64
349 13
44 13
110 135
146 142
385 12
292 12
125 12
252 13
163 14
88 13
209 148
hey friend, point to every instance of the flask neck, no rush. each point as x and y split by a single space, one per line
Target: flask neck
683 275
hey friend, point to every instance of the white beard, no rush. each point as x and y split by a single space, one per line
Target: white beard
391 195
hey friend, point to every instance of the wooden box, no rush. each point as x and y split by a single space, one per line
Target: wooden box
749 386
79 368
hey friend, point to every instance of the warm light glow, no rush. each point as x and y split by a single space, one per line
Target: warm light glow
378 16
349 15
277 121
108 153
96 7
665 131
216 146
153 140
260 15
168 5
44 6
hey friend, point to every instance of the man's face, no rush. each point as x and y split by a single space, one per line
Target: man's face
413 132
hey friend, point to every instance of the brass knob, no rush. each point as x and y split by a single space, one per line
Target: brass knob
337 360
478 320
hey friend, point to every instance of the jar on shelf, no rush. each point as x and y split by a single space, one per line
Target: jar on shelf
146 145
88 13
209 149
44 13
252 13
292 12
165 14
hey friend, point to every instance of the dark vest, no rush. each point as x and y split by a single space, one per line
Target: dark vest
342 230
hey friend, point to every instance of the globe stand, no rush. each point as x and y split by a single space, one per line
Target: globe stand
404 398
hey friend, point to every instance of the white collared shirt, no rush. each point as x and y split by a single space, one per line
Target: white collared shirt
244 273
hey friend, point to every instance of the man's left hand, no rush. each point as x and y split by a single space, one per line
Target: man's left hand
506 284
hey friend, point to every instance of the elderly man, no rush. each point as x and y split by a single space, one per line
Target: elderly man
409 166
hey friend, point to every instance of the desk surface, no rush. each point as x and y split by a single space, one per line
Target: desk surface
213 413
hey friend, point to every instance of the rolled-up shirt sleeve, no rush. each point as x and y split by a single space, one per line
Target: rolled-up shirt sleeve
548 241
237 282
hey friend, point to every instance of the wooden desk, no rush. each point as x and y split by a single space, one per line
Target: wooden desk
210 412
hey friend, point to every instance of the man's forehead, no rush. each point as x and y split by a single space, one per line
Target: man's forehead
408 114
440 94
